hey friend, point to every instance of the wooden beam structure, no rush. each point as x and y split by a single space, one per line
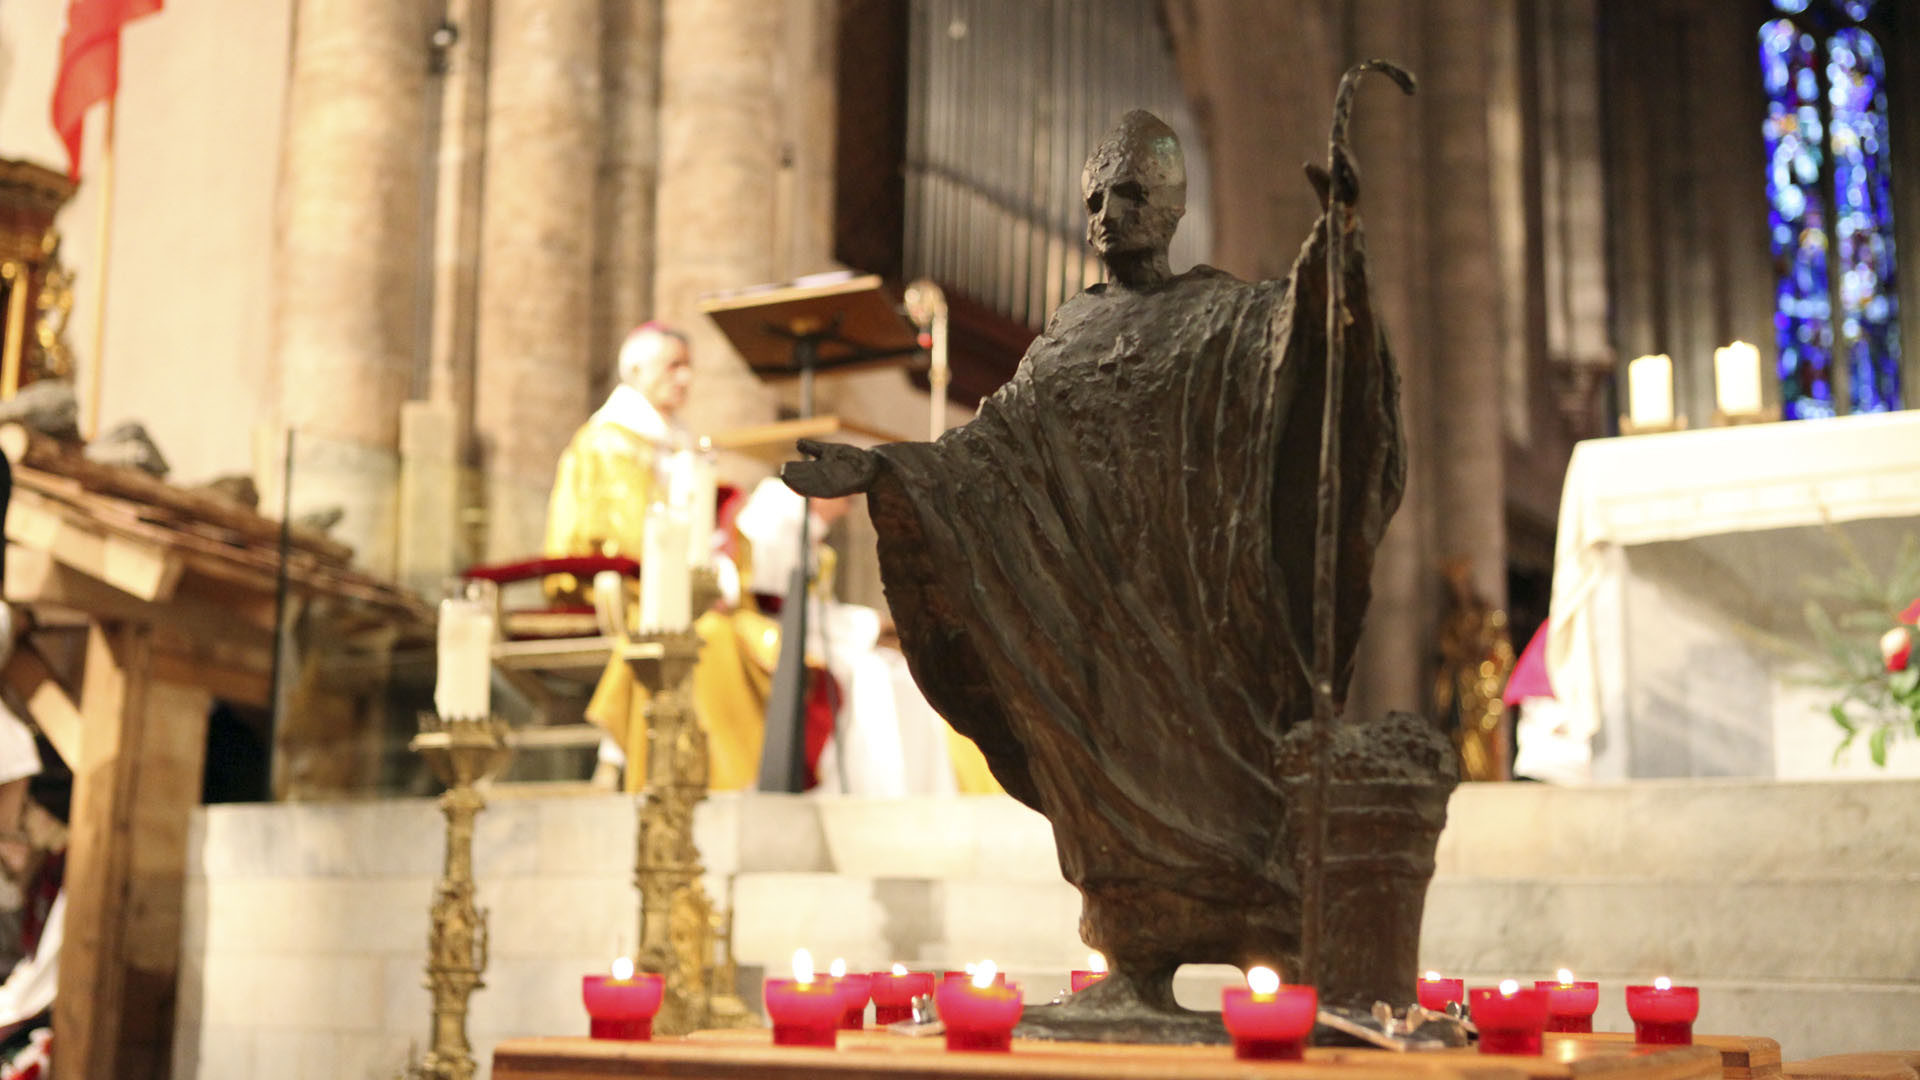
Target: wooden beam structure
175 594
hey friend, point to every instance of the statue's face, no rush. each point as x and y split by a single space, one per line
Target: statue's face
1135 184
659 366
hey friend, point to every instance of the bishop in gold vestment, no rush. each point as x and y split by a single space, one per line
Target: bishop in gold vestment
609 479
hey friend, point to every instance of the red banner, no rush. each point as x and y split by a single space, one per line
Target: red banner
90 65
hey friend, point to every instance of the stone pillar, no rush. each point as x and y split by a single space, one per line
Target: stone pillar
623 259
457 205
720 161
347 321
1391 666
533 371
1465 331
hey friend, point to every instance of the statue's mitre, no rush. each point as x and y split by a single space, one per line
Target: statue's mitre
1140 147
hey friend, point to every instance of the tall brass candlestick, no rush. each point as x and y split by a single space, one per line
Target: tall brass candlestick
462 752
680 937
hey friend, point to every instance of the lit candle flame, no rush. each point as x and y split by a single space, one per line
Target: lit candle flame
1509 987
1263 981
983 975
970 967
1432 976
837 969
802 966
1096 963
899 969
1566 977
622 969
1663 983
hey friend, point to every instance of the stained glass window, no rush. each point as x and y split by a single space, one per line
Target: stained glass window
1829 192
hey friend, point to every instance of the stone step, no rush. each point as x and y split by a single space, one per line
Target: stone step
1771 930
1768 930
1699 830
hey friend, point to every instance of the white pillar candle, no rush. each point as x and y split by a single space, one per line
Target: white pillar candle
461 688
704 481
1736 379
666 589
1650 391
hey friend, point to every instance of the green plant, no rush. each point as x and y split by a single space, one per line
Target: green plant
1864 623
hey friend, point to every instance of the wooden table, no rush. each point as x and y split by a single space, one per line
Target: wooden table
1742 1057
877 1055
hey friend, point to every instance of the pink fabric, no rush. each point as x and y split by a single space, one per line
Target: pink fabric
1529 678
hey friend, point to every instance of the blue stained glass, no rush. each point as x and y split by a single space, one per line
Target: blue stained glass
1869 311
1821 250
1796 219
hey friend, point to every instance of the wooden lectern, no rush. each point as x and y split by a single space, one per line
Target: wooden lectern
796 330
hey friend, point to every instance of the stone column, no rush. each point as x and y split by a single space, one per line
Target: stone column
623 261
346 323
720 161
533 371
1391 667
1465 331
457 206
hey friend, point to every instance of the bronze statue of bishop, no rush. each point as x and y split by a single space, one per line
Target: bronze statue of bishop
1106 579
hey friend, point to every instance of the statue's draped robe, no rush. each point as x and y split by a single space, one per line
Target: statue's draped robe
1106 580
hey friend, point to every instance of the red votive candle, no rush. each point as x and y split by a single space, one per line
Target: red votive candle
978 1017
1570 1005
999 977
1510 1019
1270 1026
804 1013
1435 992
855 988
1095 971
620 1008
1663 1015
893 994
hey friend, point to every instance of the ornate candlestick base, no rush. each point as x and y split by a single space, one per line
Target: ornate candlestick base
462 752
680 936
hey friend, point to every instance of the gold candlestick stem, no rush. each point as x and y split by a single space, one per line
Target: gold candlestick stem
462 753
680 937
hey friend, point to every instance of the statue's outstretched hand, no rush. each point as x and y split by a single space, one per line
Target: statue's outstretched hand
835 469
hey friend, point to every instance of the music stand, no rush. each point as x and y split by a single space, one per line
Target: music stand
796 330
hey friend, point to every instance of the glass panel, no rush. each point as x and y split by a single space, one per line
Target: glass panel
1796 221
1869 311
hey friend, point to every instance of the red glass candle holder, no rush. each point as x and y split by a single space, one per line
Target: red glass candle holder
1082 979
854 990
1663 1017
803 1014
978 1017
1509 1023
1270 1027
621 1008
999 977
1570 1006
893 994
1434 994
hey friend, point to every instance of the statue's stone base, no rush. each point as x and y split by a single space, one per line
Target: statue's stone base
1065 1022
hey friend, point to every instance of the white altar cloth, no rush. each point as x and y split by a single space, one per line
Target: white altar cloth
1676 553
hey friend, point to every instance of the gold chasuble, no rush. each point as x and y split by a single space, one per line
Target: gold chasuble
605 486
